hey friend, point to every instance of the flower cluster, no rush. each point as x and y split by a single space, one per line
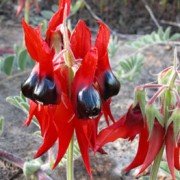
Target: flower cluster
70 88
156 121
71 84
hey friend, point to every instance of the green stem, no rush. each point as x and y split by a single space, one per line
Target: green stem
26 11
156 164
70 165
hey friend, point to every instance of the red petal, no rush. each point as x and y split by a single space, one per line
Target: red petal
64 122
177 158
102 39
63 3
45 118
155 143
107 111
32 110
85 75
170 149
83 145
49 140
111 133
134 121
128 126
38 48
142 150
57 18
80 40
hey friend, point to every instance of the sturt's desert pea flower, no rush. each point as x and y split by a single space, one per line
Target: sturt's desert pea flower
66 89
156 121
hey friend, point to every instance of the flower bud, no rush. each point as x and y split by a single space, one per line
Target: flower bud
88 103
111 85
28 86
45 91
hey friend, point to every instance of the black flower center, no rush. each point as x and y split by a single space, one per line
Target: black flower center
88 103
42 90
111 85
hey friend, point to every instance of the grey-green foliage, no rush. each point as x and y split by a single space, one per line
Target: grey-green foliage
130 68
114 45
20 102
159 37
20 60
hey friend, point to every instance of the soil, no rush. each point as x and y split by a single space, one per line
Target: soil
127 16
21 141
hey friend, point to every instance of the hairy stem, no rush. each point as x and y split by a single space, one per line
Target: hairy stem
70 165
26 11
156 164
18 162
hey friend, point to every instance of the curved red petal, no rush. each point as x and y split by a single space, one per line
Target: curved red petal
85 74
155 143
102 40
64 122
177 158
80 40
38 48
50 138
63 3
111 133
170 144
83 145
134 121
57 18
107 111
142 151
45 117
32 109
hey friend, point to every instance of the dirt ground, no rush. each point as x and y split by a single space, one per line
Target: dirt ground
21 142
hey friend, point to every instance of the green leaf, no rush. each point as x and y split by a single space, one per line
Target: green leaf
130 68
150 117
22 60
140 98
175 36
8 64
1 124
114 45
154 38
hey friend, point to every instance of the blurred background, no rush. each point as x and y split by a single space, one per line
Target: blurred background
144 34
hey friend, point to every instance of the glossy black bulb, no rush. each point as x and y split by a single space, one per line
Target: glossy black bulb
28 86
45 91
88 103
111 85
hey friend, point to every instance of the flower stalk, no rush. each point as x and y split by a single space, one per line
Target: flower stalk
156 164
26 11
70 162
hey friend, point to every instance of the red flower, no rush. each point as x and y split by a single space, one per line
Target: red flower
132 124
76 98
